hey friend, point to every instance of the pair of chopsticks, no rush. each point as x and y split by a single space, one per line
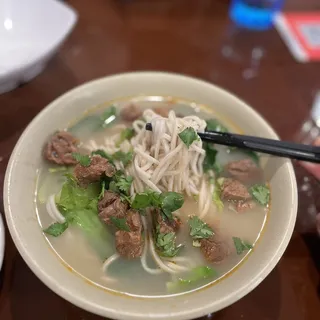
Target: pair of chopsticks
278 148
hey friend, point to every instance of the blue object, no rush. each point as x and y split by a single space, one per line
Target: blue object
254 14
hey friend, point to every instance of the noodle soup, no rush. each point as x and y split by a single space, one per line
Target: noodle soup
150 213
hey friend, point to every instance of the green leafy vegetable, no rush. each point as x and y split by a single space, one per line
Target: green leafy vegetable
188 136
166 243
126 134
58 169
215 125
216 197
209 162
195 275
56 229
240 245
124 157
80 207
199 229
108 116
120 223
260 193
84 160
103 154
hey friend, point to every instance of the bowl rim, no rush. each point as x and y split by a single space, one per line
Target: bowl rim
81 301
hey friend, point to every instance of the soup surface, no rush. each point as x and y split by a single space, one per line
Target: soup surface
233 219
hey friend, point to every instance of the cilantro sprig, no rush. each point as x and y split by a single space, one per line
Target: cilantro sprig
188 136
199 229
84 160
261 193
166 243
120 223
126 134
168 202
120 183
241 245
56 229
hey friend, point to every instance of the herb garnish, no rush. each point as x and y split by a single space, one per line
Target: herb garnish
241 246
103 154
166 243
108 116
120 183
126 134
120 223
216 197
168 202
103 189
124 157
199 229
188 136
209 162
215 125
84 160
260 193
56 229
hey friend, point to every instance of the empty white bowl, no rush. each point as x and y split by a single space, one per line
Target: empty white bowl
30 33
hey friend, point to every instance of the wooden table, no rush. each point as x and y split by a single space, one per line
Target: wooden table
179 36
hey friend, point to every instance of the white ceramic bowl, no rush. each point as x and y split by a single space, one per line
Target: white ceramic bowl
30 33
26 233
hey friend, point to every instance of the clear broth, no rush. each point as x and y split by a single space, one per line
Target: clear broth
76 252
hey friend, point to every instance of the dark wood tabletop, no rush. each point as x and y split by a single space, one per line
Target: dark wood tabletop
185 37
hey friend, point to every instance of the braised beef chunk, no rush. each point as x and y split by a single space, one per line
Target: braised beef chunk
108 198
133 220
213 249
131 112
244 170
60 147
232 189
129 244
162 111
98 167
165 225
111 208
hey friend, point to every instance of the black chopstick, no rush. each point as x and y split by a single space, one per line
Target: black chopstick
274 147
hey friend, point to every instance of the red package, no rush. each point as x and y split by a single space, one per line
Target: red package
301 33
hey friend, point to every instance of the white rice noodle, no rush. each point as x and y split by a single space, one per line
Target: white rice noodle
145 252
107 264
53 211
162 162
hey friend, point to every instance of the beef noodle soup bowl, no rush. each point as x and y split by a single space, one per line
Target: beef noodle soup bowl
132 223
